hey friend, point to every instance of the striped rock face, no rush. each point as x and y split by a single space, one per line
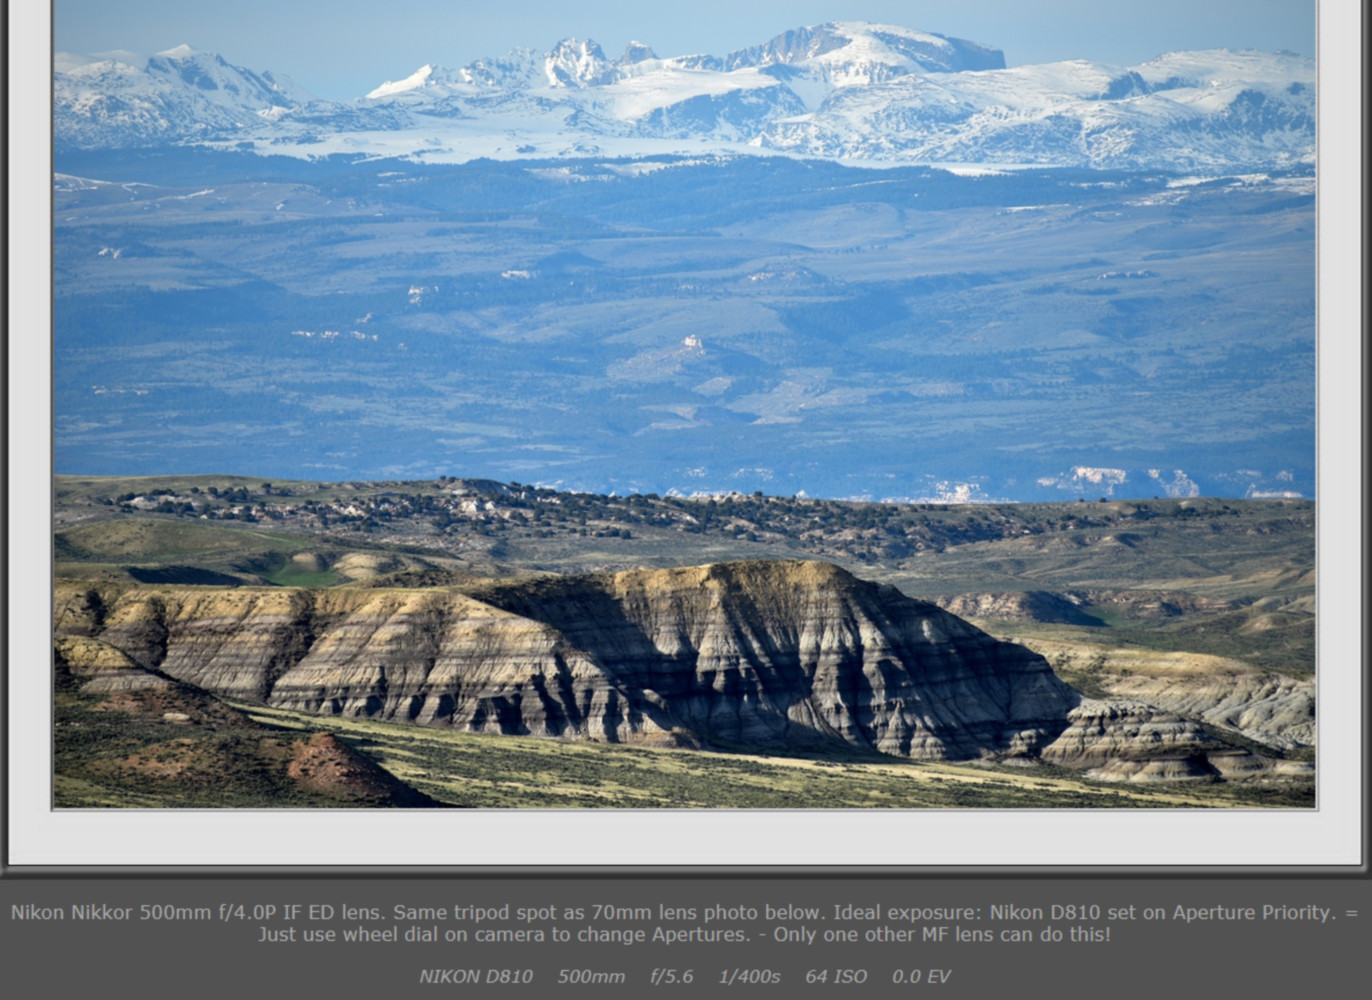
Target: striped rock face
761 653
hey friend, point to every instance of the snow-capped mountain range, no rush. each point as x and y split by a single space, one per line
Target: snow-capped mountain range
850 91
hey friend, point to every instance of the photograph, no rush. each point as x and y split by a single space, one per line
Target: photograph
695 422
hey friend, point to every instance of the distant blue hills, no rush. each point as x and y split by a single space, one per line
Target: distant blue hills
699 325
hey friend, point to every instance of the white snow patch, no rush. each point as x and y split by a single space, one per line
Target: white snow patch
640 167
187 197
972 170
414 81
68 182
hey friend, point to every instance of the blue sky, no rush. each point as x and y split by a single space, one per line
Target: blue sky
342 48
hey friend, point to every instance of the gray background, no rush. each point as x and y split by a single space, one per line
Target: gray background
1259 958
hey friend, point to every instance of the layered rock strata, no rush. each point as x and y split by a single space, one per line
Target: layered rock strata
1266 707
764 652
741 653
1079 607
101 668
1105 732
1136 742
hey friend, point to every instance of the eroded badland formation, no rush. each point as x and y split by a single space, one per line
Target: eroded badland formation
159 615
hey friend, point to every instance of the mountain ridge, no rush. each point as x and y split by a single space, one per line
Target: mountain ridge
844 90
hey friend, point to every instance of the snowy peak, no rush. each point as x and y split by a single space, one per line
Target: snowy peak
1215 69
935 53
414 81
572 63
636 52
222 83
859 49
175 96
519 69
182 51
